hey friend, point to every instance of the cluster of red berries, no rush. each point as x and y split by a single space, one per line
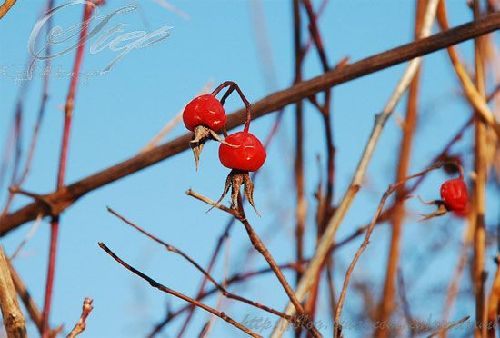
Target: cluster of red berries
241 152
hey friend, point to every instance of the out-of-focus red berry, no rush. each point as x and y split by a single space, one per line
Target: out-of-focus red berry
455 196
242 151
205 110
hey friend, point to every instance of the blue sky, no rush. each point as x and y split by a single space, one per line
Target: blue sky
117 113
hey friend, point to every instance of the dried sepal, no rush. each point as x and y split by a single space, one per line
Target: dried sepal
197 149
200 136
249 187
227 186
441 210
237 180
234 181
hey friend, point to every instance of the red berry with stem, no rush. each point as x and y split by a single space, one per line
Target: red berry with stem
205 110
455 196
205 116
242 151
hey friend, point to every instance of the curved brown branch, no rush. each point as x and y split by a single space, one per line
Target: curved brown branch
69 194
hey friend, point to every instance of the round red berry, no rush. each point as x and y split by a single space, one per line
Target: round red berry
242 151
205 110
455 196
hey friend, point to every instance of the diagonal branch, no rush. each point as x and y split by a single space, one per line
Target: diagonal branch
66 196
7 5
172 292
220 287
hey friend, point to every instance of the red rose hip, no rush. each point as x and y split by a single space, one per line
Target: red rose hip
242 151
205 116
455 196
205 110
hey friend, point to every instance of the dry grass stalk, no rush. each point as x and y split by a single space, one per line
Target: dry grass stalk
24 295
472 92
13 318
479 198
387 302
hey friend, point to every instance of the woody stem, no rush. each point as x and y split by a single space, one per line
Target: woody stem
232 87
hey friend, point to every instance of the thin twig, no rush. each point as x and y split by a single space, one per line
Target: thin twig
406 306
231 87
453 288
236 278
32 231
449 326
220 300
63 159
82 322
201 291
261 248
390 190
41 111
219 286
172 292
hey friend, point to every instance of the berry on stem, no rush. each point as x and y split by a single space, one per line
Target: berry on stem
242 153
205 116
455 197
